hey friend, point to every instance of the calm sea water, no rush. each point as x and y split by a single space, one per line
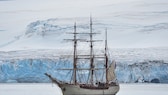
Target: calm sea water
52 89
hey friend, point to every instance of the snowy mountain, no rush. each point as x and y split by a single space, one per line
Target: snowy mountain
130 23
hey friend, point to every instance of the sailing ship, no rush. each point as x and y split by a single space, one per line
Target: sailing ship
108 86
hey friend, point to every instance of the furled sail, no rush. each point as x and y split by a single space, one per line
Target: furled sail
111 72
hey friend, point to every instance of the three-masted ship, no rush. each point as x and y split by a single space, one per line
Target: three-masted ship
108 86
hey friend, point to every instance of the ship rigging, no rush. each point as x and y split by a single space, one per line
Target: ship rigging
108 87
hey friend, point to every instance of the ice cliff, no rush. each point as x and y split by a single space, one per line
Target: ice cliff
28 66
155 71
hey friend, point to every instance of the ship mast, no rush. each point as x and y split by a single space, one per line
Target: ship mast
106 57
75 40
74 57
91 52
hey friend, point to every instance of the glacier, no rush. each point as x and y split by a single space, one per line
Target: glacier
30 27
155 71
29 66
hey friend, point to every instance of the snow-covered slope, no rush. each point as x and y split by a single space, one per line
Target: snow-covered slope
131 23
